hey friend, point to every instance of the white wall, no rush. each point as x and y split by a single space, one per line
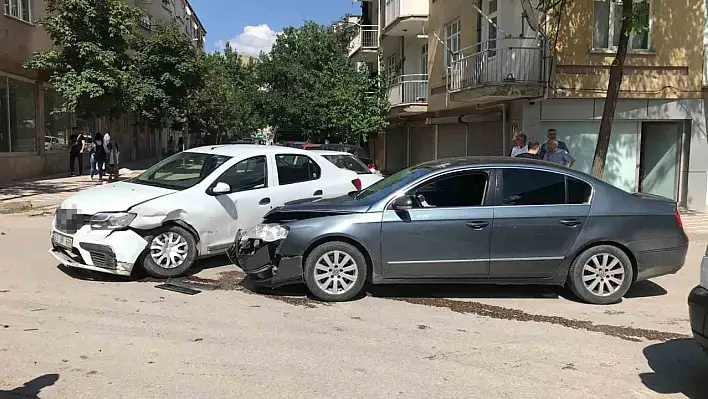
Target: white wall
412 52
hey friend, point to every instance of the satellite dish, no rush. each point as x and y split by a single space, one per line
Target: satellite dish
530 14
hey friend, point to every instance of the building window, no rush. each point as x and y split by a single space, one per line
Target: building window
424 59
18 108
492 7
188 27
19 9
57 125
392 67
452 42
608 22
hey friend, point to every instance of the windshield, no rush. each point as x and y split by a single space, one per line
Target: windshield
181 171
383 188
348 162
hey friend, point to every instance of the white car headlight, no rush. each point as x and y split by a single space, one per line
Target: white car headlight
266 232
111 221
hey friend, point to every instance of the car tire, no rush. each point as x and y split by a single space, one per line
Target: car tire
601 275
181 248
335 271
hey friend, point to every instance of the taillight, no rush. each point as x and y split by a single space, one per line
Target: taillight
370 166
677 216
357 184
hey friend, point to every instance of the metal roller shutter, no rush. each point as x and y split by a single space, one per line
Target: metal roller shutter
422 144
452 140
485 138
396 149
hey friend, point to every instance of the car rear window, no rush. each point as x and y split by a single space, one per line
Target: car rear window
348 162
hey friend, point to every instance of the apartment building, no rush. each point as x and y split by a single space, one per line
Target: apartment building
34 141
495 68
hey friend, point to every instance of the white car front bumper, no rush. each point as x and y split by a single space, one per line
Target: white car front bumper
114 252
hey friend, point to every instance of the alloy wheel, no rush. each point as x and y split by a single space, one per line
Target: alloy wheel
336 272
603 274
169 250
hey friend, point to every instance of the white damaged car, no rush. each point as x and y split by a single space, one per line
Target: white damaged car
188 206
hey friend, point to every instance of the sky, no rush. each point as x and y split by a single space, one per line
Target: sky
252 25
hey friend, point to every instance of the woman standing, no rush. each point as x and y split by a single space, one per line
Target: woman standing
112 154
98 157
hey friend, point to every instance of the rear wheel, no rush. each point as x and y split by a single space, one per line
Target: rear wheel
171 252
601 275
335 271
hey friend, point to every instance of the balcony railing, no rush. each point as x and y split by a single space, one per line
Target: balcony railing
393 11
409 89
366 37
513 61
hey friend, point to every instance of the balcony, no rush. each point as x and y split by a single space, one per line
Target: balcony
366 39
409 91
501 69
405 17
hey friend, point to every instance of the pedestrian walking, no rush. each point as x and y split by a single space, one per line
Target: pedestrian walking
520 146
112 156
76 152
553 135
98 157
532 150
557 155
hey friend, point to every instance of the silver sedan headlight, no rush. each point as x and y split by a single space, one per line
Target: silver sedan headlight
266 232
111 221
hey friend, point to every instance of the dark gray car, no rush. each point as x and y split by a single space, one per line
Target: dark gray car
470 220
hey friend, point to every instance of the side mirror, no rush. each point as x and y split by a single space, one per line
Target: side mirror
220 188
403 203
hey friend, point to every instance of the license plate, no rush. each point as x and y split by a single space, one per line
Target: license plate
62 240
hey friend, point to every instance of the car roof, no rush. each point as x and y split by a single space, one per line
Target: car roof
330 152
497 162
232 150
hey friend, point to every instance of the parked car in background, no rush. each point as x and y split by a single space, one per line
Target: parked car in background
52 143
355 150
347 161
187 206
698 306
470 220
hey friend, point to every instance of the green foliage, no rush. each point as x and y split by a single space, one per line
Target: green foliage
167 73
89 67
313 86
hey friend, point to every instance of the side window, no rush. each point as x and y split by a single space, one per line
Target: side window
532 187
459 190
249 174
578 191
296 169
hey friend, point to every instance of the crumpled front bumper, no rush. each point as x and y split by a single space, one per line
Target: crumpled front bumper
263 262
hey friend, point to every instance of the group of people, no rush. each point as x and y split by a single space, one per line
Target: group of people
103 155
553 150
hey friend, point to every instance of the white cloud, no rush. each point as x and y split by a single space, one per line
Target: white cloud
252 40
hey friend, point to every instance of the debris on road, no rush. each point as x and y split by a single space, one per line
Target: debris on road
177 288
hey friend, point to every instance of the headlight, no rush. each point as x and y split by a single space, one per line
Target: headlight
266 232
111 221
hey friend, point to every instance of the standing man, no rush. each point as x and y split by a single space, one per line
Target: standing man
533 148
552 135
76 152
520 146
557 155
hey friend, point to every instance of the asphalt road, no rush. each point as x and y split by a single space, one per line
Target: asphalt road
67 334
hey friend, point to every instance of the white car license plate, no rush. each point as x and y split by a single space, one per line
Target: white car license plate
62 240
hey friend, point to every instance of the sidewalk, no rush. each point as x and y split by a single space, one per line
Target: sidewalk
49 192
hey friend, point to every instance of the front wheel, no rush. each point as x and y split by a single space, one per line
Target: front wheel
171 252
335 271
601 275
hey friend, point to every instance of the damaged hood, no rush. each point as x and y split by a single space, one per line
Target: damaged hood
321 207
114 197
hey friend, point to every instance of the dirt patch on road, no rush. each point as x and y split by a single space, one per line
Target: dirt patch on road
498 312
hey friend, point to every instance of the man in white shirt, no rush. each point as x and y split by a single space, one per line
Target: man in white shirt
520 146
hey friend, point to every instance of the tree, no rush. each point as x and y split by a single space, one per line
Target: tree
90 68
167 75
634 17
312 85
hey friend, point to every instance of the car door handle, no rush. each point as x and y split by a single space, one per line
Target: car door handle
318 192
264 201
477 225
570 222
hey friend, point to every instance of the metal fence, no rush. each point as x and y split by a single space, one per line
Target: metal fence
497 65
409 89
367 37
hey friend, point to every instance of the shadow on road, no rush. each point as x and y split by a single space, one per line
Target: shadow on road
645 289
32 388
679 365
